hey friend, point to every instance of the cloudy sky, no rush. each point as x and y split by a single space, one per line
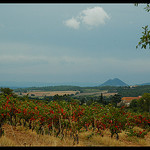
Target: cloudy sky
73 43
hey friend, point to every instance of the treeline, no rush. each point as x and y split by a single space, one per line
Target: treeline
49 88
63 88
133 91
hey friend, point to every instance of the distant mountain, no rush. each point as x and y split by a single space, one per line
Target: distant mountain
114 82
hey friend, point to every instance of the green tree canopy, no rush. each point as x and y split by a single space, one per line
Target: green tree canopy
146 99
115 99
145 39
6 91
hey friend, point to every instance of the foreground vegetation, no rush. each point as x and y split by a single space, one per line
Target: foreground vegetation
63 119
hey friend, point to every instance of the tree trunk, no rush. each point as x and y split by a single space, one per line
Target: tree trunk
30 125
58 132
1 130
24 123
20 122
11 119
15 119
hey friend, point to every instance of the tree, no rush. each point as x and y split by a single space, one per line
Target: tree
90 101
146 99
115 99
101 99
83 100
134 105
145 39
142 104
6 91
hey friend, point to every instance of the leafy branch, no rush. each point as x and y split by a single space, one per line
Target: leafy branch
145 39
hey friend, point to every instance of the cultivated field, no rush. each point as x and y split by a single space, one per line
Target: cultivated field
48 93
96 94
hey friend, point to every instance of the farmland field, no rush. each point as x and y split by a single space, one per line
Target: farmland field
96 94
48 93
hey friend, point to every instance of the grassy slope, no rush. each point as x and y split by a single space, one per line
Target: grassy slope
19 136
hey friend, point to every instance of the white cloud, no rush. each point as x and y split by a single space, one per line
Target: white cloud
94 16
91 16
73 23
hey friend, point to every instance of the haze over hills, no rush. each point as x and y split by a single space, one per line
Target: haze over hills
110 82
15 84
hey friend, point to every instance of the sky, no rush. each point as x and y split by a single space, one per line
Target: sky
73 42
